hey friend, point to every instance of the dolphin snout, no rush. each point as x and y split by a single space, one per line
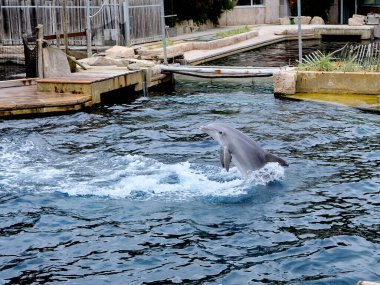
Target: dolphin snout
206 129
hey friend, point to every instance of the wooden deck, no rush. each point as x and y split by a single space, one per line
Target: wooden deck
26 100
63 94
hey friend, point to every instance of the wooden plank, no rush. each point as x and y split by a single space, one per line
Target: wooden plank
69 35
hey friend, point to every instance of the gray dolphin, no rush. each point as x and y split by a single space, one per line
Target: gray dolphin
237 147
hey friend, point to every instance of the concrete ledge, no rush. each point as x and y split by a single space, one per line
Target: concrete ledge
179 49
338 82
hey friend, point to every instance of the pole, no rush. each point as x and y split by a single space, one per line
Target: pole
341 12
299 31
65 39
40 63
163 31
88 29
127 33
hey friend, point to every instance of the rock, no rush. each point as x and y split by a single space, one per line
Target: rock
285 81
102 61
284 21
120 52
361 17
357 20
305 20
143 63
316 20
55 62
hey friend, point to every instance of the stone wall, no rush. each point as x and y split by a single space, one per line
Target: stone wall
252 15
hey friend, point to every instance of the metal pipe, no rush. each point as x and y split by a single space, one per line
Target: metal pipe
220 70
163 32
299 31
88 29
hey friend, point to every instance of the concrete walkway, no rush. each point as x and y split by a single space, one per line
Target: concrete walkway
269 34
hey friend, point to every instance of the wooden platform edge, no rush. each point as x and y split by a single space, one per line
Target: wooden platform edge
18 82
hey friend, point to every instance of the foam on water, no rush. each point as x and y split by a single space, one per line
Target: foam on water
128 176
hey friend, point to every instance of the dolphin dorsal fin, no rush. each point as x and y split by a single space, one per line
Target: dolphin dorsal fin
272 158
225 158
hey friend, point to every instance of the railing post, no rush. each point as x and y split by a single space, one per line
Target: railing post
40 62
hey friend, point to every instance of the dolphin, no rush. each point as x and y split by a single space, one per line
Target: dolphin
237 147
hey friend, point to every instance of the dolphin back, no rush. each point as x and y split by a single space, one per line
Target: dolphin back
272 158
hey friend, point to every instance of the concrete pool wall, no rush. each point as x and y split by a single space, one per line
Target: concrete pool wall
357 89
290 81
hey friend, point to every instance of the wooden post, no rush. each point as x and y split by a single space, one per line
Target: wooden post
40 38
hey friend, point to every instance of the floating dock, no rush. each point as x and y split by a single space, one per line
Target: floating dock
69 93
220 71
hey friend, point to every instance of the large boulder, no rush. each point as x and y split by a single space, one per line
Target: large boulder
120 52
55 62
316 20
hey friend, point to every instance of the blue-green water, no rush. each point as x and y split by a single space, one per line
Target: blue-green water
134 193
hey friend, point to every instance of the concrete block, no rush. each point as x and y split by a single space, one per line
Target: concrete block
284 81
372 20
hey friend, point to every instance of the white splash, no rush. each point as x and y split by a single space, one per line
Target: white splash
129 176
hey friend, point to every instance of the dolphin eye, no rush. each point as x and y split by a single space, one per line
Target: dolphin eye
220 133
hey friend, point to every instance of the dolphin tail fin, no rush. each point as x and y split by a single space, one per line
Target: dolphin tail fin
272 158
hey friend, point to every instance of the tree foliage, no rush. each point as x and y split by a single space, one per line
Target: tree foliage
198 10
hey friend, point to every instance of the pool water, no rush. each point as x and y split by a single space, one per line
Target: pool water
134 193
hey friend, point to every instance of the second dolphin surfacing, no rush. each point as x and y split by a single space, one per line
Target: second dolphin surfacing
237 147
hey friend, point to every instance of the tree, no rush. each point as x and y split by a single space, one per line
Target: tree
198 10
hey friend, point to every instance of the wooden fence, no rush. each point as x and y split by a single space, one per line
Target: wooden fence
144 21
18 17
